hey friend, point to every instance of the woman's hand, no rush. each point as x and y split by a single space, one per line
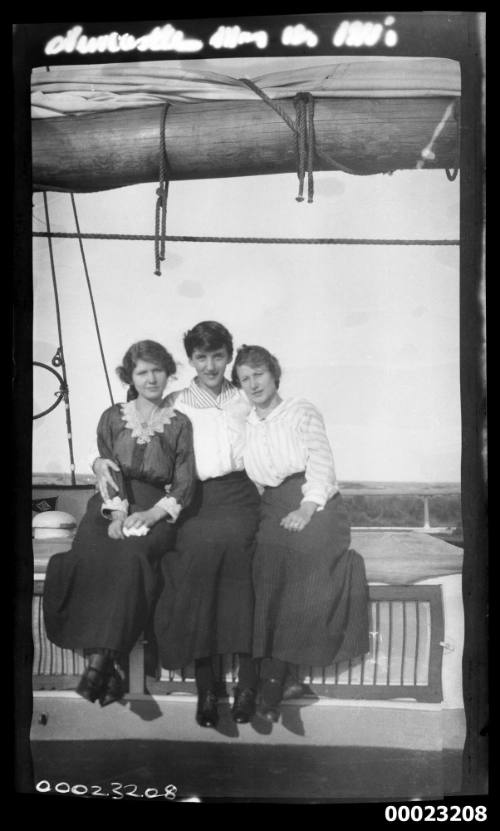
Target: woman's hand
105 482
297 520
115 529
144 518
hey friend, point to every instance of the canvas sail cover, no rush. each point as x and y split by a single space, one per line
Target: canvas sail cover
78 89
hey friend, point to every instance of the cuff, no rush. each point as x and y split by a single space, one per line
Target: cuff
319 495
169 504
114 504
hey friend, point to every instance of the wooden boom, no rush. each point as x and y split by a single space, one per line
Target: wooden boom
93 152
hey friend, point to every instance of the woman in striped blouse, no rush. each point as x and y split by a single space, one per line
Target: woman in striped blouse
311 595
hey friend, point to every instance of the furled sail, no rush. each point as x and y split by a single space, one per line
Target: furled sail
98 126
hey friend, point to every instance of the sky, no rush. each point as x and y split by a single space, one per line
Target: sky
368 334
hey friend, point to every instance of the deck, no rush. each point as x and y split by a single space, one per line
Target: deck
390 725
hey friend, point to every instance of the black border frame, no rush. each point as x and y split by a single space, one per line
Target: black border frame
457 35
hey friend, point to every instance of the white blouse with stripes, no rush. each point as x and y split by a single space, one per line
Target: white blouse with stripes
218 427
290 439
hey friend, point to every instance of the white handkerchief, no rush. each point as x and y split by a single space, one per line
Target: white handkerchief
136 532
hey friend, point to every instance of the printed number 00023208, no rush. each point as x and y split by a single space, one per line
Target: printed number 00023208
116 790
435 813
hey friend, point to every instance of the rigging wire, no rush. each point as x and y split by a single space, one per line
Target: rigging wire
58 359
98 332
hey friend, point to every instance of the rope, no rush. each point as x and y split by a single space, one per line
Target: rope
103 359
60 352
286 118
162 194
428 154
254 240
304 106
451 175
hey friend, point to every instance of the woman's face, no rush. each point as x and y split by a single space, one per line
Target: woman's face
150 380
210 366
258 383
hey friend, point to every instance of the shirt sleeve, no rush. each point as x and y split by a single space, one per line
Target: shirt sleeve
321 481
181 490
119 501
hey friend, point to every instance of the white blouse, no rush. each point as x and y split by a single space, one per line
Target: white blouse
218 427
290 439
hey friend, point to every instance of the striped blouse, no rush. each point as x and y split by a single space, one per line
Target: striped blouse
290 439
218 427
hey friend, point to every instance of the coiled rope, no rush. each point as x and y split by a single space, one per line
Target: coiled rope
162 194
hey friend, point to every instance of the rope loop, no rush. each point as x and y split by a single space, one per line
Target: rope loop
162 194
304 123
305 137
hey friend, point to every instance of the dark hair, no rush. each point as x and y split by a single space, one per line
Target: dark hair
208 335
256 356
144 350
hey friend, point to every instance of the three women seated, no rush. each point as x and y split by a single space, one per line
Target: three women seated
225 531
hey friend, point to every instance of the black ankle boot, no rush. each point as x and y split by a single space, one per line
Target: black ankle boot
91 683
243 708
206 711
270 696
113 689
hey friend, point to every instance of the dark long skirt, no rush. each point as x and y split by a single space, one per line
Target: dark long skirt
101 593
206 605
311 593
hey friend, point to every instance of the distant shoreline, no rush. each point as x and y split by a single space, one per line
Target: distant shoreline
84 480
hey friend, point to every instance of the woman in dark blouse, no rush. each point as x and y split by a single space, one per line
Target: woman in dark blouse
99 596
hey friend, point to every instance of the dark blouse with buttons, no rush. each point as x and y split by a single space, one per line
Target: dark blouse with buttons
159 453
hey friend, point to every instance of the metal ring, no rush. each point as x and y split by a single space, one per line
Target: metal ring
60 394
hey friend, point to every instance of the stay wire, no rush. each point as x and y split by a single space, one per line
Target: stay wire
91 295
60 352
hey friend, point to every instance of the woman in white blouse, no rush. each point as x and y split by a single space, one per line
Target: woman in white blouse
311 592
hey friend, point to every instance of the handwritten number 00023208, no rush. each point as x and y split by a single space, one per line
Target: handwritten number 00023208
116 790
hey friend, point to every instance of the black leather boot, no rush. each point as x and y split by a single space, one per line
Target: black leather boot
243 708
206 711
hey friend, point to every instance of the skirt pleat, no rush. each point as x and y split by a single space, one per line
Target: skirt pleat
311 594
206 604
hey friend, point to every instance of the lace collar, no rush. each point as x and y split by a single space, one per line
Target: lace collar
144 430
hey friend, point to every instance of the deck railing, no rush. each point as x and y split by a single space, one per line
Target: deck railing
406 621
404 661
399 506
